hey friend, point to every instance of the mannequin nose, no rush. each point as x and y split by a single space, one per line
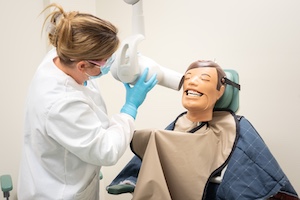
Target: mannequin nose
194 80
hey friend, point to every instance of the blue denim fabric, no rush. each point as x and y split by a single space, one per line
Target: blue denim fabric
129 172
252 172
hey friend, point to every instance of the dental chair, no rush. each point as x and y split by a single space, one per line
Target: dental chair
6 185
229 100
251 172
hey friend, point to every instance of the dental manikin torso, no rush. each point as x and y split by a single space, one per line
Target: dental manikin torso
201 90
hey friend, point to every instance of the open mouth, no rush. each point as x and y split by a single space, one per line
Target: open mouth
193 93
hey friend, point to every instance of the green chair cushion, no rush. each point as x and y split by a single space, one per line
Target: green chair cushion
120 189
6 183
230 98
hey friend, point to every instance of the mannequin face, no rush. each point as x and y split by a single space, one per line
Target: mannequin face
200 90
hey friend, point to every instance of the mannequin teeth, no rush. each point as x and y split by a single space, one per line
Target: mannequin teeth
193 93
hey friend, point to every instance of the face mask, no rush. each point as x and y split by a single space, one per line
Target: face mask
104 69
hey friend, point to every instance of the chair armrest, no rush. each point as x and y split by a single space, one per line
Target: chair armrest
6 183
120 189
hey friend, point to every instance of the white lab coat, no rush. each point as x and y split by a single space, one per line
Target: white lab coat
67 137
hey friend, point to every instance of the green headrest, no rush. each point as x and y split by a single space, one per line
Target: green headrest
230 98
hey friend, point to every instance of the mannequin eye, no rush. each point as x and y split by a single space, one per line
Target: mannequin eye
205 77
187 76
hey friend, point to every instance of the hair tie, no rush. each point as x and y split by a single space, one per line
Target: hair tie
51 28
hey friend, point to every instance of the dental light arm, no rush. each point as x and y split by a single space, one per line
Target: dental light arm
129 64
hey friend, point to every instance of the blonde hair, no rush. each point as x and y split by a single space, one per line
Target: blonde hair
80 36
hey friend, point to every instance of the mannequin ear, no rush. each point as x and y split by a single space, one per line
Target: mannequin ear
221 91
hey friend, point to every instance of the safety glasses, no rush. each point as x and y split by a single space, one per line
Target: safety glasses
103 64
97 64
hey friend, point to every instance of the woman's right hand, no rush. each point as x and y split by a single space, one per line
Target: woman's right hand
135 95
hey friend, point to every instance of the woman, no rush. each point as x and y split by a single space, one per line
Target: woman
68 135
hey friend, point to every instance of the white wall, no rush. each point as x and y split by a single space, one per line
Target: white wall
260 39
22 48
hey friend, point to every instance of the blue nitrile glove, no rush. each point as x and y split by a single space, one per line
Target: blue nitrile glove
136 95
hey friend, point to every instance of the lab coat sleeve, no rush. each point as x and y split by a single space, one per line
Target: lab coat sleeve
86 131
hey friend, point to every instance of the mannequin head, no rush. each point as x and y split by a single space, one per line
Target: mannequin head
203 84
